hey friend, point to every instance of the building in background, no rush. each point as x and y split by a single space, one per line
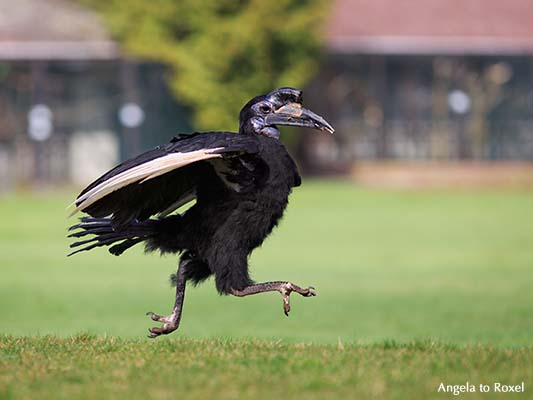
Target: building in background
425 80
71 105
401 80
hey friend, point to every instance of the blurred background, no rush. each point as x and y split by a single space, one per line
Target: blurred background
432 97
401 81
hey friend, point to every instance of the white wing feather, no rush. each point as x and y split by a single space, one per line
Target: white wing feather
142 173
186 198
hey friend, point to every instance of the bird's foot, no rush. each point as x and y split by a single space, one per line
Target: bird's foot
170 324
287 288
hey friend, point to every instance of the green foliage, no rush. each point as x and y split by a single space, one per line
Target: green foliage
221 52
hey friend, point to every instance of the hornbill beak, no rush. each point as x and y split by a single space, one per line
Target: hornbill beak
294 114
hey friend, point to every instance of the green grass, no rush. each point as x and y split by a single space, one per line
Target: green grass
422 267
85 367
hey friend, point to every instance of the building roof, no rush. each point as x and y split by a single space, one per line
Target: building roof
431 26
52 29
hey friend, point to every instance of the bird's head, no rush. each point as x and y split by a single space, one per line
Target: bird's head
282 106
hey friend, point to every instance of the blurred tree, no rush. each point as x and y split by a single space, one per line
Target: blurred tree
221 52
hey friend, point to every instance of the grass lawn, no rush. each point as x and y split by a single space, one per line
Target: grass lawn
421 266
85 367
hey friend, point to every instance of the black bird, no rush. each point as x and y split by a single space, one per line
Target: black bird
241 183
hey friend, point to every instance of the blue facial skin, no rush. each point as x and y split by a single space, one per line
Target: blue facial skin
269 131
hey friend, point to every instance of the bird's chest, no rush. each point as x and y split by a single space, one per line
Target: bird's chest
252 220
247 218
251 197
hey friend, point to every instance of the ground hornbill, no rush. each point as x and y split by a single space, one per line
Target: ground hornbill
240 181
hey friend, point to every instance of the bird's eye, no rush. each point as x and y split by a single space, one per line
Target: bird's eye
265 108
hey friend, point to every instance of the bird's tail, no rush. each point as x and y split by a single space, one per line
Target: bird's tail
105 234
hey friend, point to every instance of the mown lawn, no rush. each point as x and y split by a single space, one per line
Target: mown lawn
86 367
419 266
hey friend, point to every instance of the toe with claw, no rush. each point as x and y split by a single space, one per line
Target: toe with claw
288 289
170 324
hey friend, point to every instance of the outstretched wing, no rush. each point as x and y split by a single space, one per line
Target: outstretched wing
162 179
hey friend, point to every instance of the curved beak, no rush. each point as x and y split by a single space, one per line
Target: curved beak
293 114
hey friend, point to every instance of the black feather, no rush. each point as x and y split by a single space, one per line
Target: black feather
240 198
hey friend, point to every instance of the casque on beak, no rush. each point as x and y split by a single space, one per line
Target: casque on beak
293 114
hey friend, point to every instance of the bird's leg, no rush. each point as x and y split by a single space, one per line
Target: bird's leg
285 288
172 321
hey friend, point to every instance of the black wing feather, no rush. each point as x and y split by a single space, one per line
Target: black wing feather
140 200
